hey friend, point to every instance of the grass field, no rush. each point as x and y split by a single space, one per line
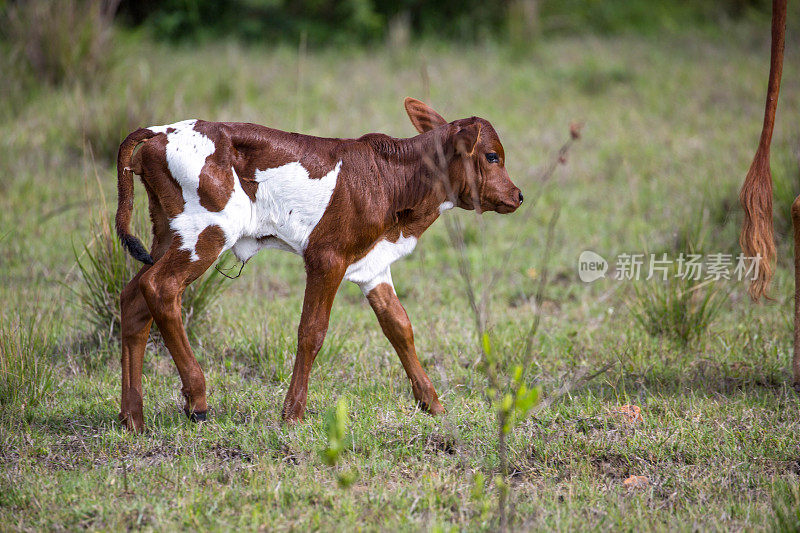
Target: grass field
670 126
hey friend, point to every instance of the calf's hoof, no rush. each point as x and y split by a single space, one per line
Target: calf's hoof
292 414
432 407
196 416
292 421
132 421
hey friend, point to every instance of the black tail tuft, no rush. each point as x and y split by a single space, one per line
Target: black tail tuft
136 249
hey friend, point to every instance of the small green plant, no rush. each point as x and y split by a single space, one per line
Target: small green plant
677 308
26 377
106 268
478 495
786 507
336 430
512 401
517 402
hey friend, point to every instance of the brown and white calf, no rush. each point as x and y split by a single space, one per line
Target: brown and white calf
349 207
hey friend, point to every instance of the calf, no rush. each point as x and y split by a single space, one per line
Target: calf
349 207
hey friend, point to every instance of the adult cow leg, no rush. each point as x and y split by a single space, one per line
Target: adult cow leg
135 328
397 328
796 353
162 287
321 285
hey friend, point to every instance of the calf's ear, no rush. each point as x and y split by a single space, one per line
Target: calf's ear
466 139
422 116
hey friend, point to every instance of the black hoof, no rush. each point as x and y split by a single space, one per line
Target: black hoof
796 387
197 416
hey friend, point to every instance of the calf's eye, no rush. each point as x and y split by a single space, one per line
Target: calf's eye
492 157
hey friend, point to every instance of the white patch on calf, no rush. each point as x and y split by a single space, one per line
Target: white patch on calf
373 269
232 220
245 248
187 151
177 126
383 277
289 203
288 206
444 206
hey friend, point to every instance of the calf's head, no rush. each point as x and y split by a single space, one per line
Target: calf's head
474 160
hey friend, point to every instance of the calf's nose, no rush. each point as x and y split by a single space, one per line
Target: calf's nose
520 197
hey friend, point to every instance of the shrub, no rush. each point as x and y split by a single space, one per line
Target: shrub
337 22
60 42
104 122
25 375
106 268
677 308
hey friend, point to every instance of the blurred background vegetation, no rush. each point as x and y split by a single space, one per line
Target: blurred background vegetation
335 22
48 44
54 39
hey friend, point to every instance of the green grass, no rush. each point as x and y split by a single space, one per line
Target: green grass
670 126
25 379
677 308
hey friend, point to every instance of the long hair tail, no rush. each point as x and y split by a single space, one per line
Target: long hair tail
125 195
757 237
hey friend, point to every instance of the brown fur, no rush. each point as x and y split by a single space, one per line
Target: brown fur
756 195
125 194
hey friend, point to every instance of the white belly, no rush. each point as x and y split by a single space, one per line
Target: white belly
289 204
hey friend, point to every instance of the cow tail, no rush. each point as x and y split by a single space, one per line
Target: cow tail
125 195
757 237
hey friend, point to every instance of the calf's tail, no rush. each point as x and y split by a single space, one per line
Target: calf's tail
125 195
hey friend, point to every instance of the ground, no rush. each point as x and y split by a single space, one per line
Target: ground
670 125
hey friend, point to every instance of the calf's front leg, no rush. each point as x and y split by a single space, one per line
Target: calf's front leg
397 328
321 286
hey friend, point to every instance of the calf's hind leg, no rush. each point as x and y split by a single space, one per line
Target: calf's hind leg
162 287
136 321
135 328
796 353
